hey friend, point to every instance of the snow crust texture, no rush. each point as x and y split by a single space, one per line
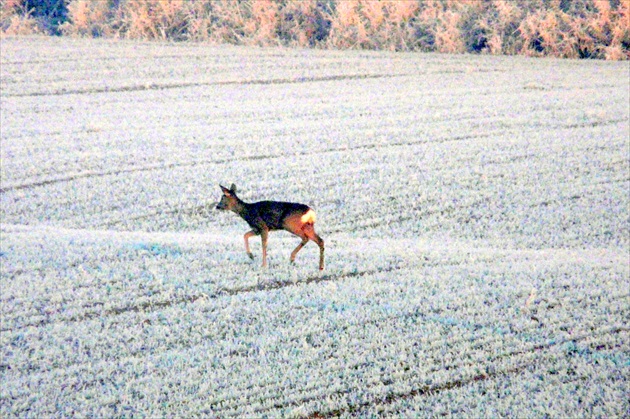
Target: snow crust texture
475 211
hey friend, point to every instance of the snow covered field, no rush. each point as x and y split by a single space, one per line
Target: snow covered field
475 211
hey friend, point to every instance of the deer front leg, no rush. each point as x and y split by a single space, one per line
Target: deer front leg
263 235
247 236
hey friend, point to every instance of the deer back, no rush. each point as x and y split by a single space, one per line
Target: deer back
272 214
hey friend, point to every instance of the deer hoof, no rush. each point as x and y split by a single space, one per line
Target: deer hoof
251 256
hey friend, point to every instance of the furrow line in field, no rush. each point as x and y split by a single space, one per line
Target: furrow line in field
400 343
143 216
587 190
407 217
458 383
315 279
70 264
349 328
166 166
272 383
201 211
482 346
270 389
80 262
596 123
152 305
85 58
492 372
91 174
163 86
146 306
255 389
611 181
306 392
309 280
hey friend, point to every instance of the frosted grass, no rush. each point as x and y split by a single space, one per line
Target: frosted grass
475 212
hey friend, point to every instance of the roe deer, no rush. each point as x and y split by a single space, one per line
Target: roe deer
265 216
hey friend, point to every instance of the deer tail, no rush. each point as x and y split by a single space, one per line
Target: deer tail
308 217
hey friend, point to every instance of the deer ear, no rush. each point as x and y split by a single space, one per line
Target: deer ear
233 188
225 190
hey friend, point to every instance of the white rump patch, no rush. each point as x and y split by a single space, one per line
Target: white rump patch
308 217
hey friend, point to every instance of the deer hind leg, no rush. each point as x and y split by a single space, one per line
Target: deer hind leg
247 236
299 247
309 231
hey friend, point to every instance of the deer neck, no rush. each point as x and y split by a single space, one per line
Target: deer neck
241 208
